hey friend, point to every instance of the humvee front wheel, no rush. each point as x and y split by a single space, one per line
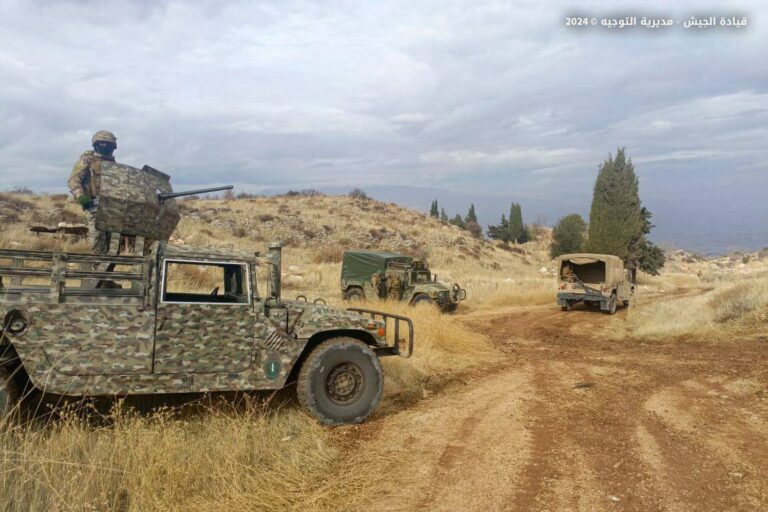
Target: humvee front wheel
341 381
9 394
422 298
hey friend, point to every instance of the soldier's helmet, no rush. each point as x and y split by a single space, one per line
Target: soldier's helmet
104 136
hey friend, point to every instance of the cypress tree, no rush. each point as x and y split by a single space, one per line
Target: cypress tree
471 216
443 215
618 224
517 231
568 235
433 211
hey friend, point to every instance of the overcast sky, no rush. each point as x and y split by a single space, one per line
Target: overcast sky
488 99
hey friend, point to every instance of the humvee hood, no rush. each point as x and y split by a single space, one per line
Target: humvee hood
316 317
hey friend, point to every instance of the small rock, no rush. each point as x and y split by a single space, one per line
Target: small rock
613 498
543 270
583 385
736 474
286 438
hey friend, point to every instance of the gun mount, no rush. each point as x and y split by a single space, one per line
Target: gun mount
139 202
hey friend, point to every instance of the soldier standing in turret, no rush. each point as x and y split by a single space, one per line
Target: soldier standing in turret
85 181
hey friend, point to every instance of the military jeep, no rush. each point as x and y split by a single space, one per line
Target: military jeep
366 275
594 279
184 320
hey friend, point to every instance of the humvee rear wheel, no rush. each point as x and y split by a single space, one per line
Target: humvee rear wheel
612 305
341 381
355 295
568 306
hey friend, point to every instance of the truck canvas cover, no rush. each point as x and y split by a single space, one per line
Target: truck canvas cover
361 265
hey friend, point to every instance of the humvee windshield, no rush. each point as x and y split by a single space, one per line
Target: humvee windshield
421 276
196 282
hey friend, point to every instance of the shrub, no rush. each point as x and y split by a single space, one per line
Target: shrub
357 193
328 254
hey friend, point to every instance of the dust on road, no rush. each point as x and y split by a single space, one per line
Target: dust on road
574 421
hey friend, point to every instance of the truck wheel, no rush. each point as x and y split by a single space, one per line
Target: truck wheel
341 381
612 305
568 306
355 295
421 299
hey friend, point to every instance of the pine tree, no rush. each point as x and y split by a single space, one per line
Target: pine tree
568 235
618 224
458 221
433 211
471 216
500 231
443 215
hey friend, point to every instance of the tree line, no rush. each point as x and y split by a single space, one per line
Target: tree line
618 222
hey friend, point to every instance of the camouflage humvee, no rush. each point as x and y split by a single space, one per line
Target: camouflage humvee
184 320
366 275
595 279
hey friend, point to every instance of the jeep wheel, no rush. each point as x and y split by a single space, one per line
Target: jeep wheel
612 305
341 381
355 295
421 299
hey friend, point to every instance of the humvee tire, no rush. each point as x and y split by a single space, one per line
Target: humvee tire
568 306
341 381
611 305
421 299
355 295
9 394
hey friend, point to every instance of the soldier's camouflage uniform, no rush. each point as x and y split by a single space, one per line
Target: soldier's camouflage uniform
85 180
394 285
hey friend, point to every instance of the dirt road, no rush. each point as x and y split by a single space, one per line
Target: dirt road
573 422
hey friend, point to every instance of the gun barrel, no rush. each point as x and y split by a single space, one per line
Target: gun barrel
170 195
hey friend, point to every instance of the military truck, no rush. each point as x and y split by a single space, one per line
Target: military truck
181 320
366 275
595 279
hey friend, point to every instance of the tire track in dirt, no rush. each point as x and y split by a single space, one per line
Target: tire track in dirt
576 421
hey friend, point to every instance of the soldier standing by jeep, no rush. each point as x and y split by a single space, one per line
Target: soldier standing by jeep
84 183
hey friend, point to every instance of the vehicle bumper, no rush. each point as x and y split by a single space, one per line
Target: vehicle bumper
402 342
604 301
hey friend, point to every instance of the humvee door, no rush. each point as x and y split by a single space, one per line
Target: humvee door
205 319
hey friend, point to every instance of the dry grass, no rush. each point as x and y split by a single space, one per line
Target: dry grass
719 309
247 459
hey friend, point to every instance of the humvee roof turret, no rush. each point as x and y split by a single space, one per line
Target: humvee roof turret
184 320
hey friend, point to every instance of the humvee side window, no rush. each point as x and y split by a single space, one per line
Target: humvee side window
205 282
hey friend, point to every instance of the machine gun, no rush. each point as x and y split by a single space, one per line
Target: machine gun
164 196
586 288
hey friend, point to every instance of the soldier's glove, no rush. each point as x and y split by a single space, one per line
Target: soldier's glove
85 201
